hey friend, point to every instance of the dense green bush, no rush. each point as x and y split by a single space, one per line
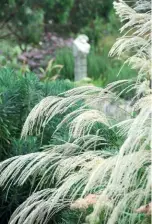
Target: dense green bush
20 19
26 20
85 12
101 27
57 10
18 95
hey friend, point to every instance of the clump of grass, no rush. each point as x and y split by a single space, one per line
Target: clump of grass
115 181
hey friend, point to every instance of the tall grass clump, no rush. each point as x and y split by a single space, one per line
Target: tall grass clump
107 183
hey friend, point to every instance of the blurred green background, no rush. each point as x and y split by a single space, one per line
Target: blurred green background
35 32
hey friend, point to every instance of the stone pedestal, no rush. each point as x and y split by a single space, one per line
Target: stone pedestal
81 49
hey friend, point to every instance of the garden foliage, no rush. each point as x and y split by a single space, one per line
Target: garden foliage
108 182
19 18
18 95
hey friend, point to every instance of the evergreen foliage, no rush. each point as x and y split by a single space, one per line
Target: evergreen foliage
18 95
20 18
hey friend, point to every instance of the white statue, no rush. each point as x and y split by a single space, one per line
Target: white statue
81 49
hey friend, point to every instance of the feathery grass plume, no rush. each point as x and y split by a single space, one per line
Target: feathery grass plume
67 178
72 170
124 185
91 96
85 121
50 106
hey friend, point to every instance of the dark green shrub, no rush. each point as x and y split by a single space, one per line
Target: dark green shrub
86 11
18 95
100 28
94 30
58 10
22 19
54 88
25 19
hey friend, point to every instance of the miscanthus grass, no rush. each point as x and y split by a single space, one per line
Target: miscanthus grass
81 173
